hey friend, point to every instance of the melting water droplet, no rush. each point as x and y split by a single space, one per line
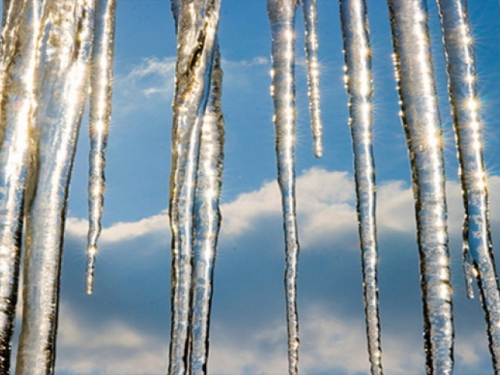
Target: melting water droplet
478 257
100 114
310 21
282 19
359 86
421 121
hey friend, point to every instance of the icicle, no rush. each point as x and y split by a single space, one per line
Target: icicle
478 253
64 78
420 115
196 41
18 67
207 222
100 114
359 86
310 20
282 18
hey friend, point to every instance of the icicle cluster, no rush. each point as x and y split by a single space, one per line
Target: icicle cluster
53 51
45 67
197 141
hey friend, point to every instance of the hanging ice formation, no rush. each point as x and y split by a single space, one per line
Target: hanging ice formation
51 53
100 114
358 79
478 257
197 139
421 121
46 50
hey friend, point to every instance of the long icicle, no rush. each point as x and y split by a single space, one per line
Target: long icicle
17 97
195 50
207 220
479 261
64 85
101 81
421 120
310 21
358 80
282 18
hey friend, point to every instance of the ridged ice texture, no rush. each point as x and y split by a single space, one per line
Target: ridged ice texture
421 120
207 220
358 79
197 22
310 21
65 57
17 103
478 251
101 81
282 18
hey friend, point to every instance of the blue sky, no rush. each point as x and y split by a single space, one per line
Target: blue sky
124 327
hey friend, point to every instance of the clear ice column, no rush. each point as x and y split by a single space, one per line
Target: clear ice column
65 58
207 220
358 80
196 41
282 18
421 121
20 38
101 86
479 262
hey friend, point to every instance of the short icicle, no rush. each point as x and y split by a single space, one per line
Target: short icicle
358 80
17 100
282 18
101 81
310 21
422 124
207 220
65 54
196 41
479 261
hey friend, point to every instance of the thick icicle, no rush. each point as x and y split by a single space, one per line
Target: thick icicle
207 220
282 18
196 38
310 21
17 100
359 86
478 250
421 120
64 84
101 82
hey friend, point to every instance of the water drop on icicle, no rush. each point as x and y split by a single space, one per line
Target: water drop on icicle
359 86
18 67
479 260
65 57
310 21
207 222
421 121
282 18
196 38
101 80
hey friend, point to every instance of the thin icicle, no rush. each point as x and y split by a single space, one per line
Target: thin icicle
207 220
421 120
359 86
282 18
310 21
17 99
196 35
64 78
101 81
478 251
